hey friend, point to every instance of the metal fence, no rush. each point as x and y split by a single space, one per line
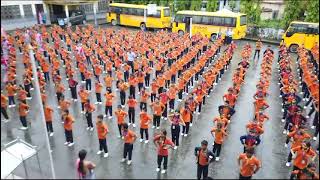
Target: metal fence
264 33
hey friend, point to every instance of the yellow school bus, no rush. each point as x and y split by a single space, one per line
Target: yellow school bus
210 24
301 33
138 16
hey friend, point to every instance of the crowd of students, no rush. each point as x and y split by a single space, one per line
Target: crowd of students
296 123
163 73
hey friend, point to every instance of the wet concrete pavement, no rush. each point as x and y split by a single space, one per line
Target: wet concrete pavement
182 162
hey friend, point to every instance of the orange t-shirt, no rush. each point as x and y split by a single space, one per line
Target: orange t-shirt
203 160
102 130
157 108
48 114
121 115
302 159
109 99
68 121
248 165
132 103
129 137
219 135
144 120
4 101
185 114
23 108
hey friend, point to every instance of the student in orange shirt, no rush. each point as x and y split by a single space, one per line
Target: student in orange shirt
121 115
144 98
133 83
108 106
102 131
87 76
163 96
249 164
98 89
218 133
145 120
154 89
23 111
129 138
11 90
73 88
89 109
68 121
84 95
131 110
304 155
185 113
158 109
4 104
48 114
123 86
204 156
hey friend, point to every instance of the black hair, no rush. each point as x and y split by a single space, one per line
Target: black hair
164 132
100 116
204 142
82 156
125 126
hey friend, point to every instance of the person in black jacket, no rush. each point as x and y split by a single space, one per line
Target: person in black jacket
250 140
204 157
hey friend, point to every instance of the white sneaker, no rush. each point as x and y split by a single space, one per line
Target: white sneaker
163 171
153 127
280 96
175 147
165 118
91 129
99 152
217 158
51 134
106 155
314 138
158 128
104 115
134 125
313 127
284 132
71 144
88 128
146 141
96 102
288 164
307 117
100 102
66 143
123 160
304 107
75 100
190 124
23 128
198 113
285 145
158 169
185 135
122 137
110 117
182 134
129 162
82 112
141 140
119 136
129 124
283 120
14 105
282 110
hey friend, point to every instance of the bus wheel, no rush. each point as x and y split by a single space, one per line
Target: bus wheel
113 22
143 26
213 37
293 48
180 32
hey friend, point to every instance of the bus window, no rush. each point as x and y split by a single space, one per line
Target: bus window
296 29
125 11
207 20
132 11
179 18
196 19
158 14
218 21
229 21
243 20
140 12
166 12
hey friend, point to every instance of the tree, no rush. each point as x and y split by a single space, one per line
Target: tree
212 5
313 11
252 9
292 11
196 5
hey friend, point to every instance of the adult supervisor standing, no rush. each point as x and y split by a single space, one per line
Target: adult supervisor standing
131 55
203 155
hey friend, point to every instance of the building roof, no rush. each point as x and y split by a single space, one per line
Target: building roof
223 12
69 2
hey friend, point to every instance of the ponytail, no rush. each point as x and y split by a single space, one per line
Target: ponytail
82 156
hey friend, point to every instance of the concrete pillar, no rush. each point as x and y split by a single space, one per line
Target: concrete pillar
67 12
221 4
47 13
33 8
95 8
21 10
237 8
